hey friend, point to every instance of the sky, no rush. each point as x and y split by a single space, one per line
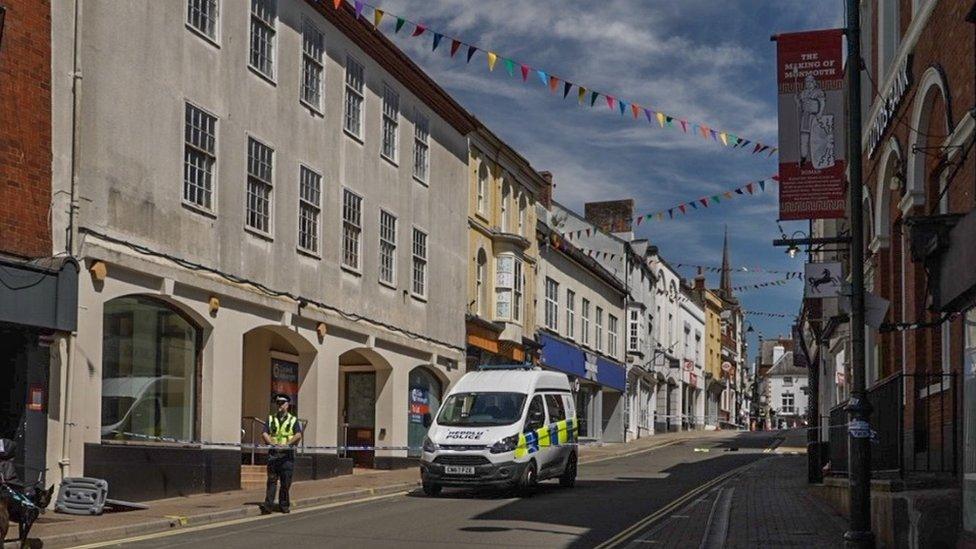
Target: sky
707 61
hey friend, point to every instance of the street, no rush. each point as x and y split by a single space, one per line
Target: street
611 496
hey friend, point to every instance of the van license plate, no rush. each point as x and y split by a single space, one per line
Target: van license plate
458 470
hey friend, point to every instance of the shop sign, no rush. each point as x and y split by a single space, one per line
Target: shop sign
284 380
590 366
419 404
822 280
35 398
812 149
889 106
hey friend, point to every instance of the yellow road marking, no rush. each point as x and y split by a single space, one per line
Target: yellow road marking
635 528
221 524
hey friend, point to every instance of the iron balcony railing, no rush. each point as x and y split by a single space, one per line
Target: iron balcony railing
914 423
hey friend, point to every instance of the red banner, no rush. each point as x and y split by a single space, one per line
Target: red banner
812 145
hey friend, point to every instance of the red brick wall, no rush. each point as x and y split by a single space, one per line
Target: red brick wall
25 128
924 417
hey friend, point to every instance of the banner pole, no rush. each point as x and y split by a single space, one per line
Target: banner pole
858 408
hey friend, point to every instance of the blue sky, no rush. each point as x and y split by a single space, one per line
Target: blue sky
707 61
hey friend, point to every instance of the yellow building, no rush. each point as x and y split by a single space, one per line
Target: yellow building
714 380
502 253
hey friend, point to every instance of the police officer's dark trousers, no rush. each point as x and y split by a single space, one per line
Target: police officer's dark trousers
281 466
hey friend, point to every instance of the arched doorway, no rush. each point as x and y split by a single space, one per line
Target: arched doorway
364 377
150 370
276 361
423 402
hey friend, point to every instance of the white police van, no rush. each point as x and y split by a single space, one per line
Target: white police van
507 426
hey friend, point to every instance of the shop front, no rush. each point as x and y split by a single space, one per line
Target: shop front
601 386
38 309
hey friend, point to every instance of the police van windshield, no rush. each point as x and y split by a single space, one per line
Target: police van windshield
481 409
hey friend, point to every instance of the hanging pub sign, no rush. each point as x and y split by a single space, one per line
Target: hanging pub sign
812 147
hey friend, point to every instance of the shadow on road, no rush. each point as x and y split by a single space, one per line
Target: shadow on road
604 503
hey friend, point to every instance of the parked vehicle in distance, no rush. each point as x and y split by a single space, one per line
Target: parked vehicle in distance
506 426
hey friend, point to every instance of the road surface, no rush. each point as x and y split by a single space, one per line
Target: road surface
614 501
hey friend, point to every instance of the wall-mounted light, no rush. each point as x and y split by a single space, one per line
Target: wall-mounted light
98 270
214 303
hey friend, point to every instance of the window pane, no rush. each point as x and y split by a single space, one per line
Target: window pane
312 53
199 158
149 361
263 14
421 158
419 262
309 207
202 15
351 228
354 97
387 247
260 159
391 115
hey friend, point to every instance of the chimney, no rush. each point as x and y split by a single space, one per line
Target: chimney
778 352
613 216
546 197
700 281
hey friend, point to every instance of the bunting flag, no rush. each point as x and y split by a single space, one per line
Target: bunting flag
768 315
705 201
761 285
751 270
723 138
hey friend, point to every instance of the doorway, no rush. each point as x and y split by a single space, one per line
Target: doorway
360 416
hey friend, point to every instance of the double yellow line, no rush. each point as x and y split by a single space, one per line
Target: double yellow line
640 525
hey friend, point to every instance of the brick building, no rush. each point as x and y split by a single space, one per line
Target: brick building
918 170
37 291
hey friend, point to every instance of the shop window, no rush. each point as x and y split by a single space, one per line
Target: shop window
423 401
149 370
969 422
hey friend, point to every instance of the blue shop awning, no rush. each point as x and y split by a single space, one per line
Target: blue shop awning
568 357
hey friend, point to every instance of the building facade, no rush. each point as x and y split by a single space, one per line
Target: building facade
714 385
274 201
604 233
788 392
692 319
581 330
917 102
38 285
503 253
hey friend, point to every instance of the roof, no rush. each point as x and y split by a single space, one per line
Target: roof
582 259
785 367
511 381
398 64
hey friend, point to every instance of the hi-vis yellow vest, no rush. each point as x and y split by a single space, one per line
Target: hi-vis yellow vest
554 434
281 432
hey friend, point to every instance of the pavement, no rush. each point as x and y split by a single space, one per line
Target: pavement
712 489
173 514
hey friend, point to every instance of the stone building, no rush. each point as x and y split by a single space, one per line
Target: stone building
272 199
503 253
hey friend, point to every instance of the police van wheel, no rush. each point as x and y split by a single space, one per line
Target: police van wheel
432 490
568 478
529 479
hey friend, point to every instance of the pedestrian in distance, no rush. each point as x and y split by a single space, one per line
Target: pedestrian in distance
282 432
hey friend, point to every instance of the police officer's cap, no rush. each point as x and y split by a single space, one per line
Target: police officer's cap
282 398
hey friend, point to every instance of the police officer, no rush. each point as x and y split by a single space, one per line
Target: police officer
282 433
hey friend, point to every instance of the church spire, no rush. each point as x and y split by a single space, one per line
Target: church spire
725 285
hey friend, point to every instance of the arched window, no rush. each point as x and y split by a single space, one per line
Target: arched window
150 357
423 401
481 286
523 204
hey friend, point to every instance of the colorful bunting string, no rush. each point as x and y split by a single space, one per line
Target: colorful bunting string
748 287
769 315
751 270
749 189
720 137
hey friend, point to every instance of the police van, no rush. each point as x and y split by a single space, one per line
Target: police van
506 426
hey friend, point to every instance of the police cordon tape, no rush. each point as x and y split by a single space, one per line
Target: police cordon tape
858 430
